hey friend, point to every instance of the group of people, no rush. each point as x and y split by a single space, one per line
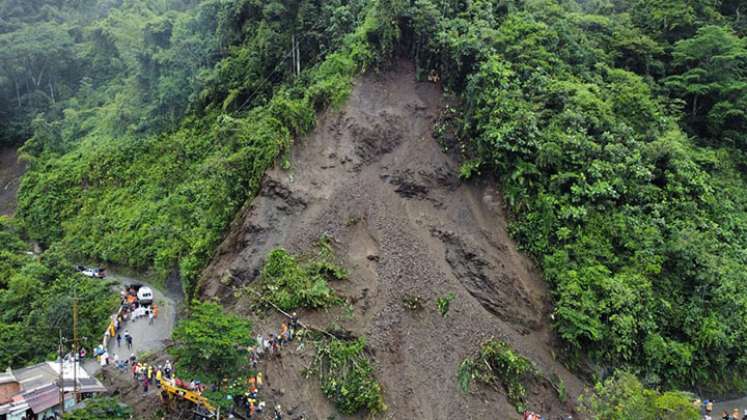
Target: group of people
133 309
269 347
271 344
145 374
706 407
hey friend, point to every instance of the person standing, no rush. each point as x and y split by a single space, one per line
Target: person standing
294 324
146 382
128 338
119 340
284 333
135 369
278 415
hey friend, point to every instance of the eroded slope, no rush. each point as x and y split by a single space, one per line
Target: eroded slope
373 178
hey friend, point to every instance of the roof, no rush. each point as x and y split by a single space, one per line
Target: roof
46 373
36 376
43 398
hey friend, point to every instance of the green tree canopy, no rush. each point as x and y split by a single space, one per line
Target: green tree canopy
211 344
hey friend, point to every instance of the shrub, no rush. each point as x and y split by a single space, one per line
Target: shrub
289 284
496 363
346 376
211 344
100 408
623 397
442 304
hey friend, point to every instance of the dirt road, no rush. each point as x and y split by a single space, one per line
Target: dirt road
10 178
373 178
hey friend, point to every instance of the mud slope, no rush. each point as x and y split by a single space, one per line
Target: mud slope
372 177
10 177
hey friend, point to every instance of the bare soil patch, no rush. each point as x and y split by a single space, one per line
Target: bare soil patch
373 178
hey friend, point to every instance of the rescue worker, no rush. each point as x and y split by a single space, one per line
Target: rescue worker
158 376
283 333
294 325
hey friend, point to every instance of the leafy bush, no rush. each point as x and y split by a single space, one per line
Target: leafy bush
347 377
496 363
622 397
289 284
442 304
210 344
100 408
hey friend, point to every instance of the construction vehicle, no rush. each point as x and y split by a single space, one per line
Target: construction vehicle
203 409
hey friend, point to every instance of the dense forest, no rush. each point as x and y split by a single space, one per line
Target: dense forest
617 130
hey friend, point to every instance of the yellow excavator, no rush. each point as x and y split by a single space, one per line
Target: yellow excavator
204 409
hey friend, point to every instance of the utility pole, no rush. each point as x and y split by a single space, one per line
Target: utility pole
76 387
62 377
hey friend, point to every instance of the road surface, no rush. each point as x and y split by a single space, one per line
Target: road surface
145 337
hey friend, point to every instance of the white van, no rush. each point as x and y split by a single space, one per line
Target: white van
145 295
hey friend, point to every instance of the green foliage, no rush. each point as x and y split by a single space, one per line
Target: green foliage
36 300
211 344
495 364
347 376
442 304
290 284
711 78
100 408
146 169
622 397
638 229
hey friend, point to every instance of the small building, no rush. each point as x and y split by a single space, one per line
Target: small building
33 392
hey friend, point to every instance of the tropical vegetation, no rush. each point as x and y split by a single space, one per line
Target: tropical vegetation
617 130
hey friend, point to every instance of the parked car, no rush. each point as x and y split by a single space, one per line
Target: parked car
95 272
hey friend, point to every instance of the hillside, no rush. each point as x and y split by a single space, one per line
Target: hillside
373 178
565 176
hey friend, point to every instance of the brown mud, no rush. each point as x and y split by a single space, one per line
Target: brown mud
372 178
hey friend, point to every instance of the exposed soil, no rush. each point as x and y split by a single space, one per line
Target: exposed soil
373 178
10 178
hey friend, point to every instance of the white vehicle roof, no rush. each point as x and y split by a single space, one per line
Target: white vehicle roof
145 293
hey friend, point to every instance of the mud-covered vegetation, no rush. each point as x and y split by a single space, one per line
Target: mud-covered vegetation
346 375
289 283
499 366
